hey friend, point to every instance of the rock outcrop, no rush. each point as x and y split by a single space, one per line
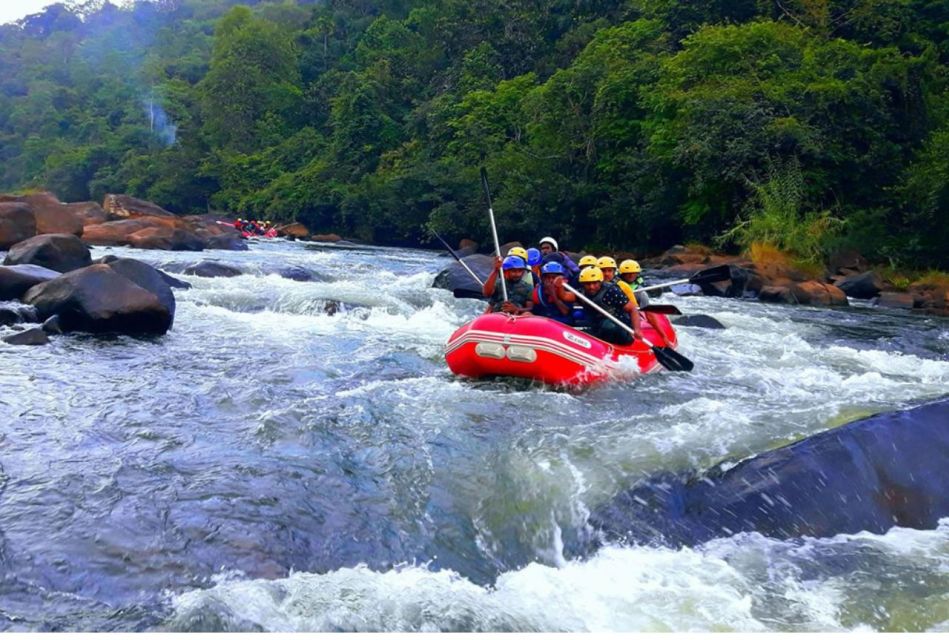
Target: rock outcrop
873 474
53 216
57 251
454 275
100 300
17 223
16 280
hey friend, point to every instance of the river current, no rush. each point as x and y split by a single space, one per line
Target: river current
271 465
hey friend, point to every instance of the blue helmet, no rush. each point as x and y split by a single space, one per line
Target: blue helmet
513 262
533 256
552 267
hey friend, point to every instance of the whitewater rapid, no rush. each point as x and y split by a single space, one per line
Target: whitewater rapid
273 464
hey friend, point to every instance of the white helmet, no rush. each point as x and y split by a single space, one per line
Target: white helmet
550 241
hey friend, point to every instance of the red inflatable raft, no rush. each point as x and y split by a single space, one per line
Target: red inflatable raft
499 344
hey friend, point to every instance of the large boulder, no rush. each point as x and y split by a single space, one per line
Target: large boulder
98 299
15 280
148 278
123 206
873 474
17 223
167 239
454 275
89 213
819 294
52 216
113 233
57 251
293 230
865 286
227 243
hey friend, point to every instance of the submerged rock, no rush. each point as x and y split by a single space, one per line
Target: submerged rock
208 269
873 474
30 337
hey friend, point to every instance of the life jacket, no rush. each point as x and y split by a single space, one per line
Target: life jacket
549 309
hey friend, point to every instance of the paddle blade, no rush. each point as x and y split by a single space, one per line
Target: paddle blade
665 309
473 294
715 274
672 360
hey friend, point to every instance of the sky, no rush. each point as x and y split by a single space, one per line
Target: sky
13 10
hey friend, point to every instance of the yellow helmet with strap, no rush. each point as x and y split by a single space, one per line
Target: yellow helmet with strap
587 261
629 266
591 274
606 262
520 252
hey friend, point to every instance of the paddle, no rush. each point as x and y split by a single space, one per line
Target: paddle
667 356
665 309
712 274
494 228
472 294
460 261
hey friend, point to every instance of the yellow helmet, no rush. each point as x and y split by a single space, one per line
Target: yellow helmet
591 274
587 261
629 266
606 262
520 252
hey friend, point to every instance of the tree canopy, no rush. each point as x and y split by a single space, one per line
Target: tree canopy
610 124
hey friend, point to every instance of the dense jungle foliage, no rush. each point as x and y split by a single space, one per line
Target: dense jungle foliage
614 123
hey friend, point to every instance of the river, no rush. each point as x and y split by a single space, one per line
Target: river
268 465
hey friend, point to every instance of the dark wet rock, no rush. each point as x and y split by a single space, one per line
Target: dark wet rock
454 275
30 337
873 474
52 325
61 252
298 274
895 300
148 278
209 269
12 313
863 286
227 243
173 282
106 259
17 223
8 316
15 280
331 307
698 320
98 299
